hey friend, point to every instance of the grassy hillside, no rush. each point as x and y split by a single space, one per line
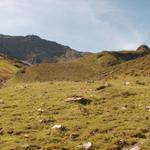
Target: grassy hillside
9 67
89 67
137 67
116 118
78 69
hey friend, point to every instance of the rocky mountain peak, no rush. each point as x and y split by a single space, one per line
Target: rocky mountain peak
143 48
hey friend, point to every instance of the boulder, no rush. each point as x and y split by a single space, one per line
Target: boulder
25 146
78 99
148 108
135 148
26 135
73 136
1 101
58 127
106 85
87 146
46 121
32 147
40 110
127 83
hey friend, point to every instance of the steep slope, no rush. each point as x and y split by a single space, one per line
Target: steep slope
8 67
89 67
33 49
137 67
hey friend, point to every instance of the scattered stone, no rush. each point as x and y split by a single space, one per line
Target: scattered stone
148 108
58 127
106 85
73 136
87 146
26 135
28 147
46 121
136 147
25 146
78 99
90 81
40 110
127 83
123 108
1 101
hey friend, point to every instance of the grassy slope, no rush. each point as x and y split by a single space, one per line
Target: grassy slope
79 69
136 67
116 118
86 68
7 69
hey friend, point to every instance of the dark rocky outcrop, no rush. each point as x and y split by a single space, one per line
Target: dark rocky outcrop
144 48
33 49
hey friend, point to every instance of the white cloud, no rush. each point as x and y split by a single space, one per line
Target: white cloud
82 24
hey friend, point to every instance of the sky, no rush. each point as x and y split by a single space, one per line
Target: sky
85 25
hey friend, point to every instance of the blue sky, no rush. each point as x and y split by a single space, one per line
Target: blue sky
87 25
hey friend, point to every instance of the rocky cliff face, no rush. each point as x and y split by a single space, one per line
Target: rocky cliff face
35 50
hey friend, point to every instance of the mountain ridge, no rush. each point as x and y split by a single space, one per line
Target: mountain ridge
35 50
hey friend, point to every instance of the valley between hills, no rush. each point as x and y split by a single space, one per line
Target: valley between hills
53 97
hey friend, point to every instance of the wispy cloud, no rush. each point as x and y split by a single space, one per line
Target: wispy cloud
83 24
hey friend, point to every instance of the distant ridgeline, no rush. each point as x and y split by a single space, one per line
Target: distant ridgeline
34 50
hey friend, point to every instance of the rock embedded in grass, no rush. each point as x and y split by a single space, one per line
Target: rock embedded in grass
78 99
136 147
46 121
148 108
58 127
26 135
30 147
127 83
25 146
2 101
73 136
86 146
40 110
106 85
